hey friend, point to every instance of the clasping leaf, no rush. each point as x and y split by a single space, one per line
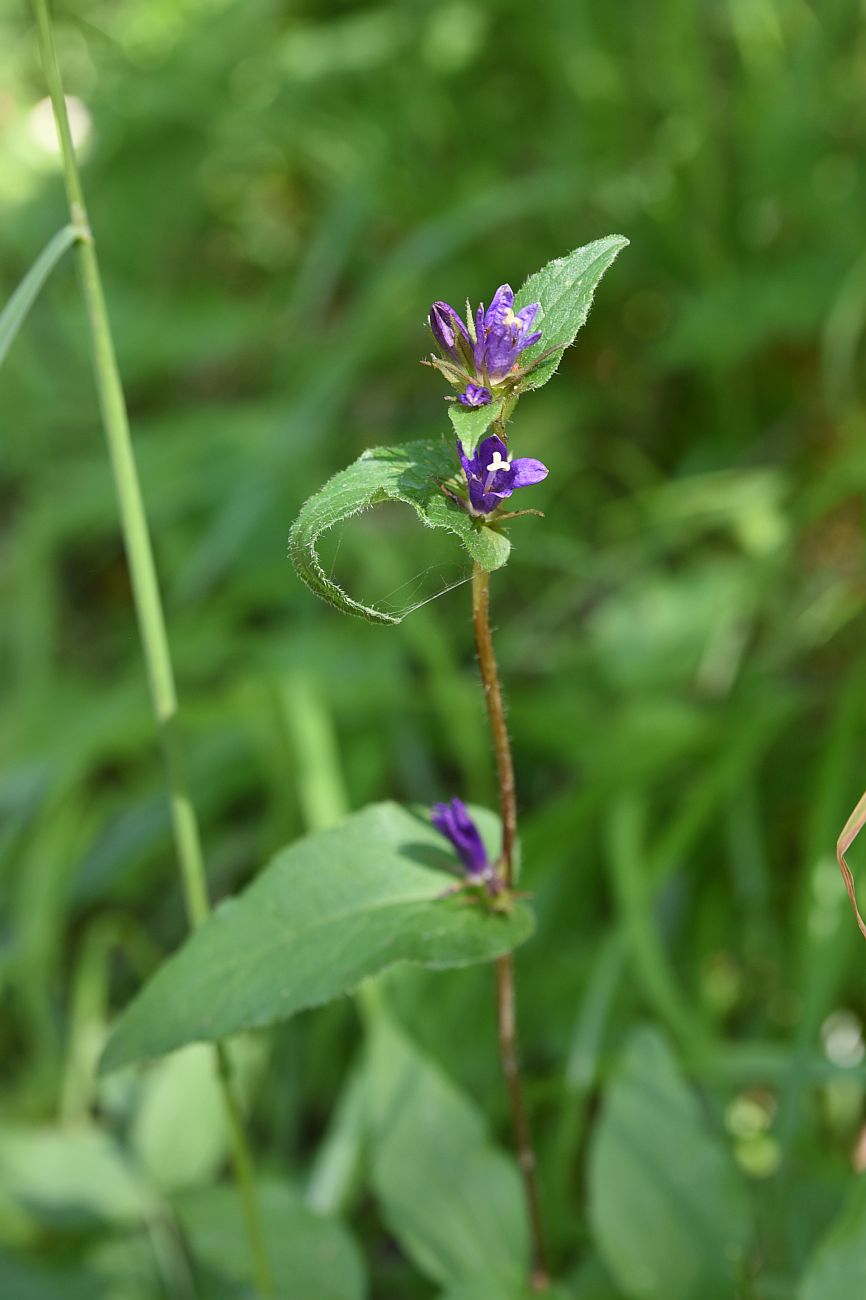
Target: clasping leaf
413 473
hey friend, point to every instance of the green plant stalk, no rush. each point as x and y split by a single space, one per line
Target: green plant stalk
148 603
506 1009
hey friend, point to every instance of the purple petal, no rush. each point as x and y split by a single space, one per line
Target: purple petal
486 450
475 395
501 352
468 462
481 503
527 315
480 348
453 820
529 340
449 333
527 471
503 301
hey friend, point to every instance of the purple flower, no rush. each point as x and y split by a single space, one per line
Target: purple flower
491 475
501 335
453 820
475 395
451 335
483 352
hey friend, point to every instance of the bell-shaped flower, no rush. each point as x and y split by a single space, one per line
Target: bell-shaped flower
483 354
455 823
492 475
501 335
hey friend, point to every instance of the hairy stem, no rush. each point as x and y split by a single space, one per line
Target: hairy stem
148 603
496 715
506 1012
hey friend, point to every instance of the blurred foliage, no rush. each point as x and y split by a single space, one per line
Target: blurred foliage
278 191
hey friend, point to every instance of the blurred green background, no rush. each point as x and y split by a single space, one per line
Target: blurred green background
278 191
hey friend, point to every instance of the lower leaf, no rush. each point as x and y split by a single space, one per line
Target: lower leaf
328 911
451 1198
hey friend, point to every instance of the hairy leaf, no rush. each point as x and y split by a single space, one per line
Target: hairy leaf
328 911
565 289
667 1207
451 1198
412 473
471 425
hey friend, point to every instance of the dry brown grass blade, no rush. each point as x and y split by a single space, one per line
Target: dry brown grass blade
850 831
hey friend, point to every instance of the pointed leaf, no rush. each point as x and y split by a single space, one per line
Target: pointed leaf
411 473
451 1198
471 425
328 911
667 1206
565 289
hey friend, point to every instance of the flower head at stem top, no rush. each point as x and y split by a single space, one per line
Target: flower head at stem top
455 823
492 476
483 354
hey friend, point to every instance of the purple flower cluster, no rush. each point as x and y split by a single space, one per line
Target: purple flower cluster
482 354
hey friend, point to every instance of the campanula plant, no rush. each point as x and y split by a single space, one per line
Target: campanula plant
672 670
491 358
378 888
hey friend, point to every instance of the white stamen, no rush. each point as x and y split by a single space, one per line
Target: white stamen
493 468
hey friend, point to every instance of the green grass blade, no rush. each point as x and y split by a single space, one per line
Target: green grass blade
15 312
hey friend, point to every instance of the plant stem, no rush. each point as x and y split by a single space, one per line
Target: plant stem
496 715
506 1012
148 604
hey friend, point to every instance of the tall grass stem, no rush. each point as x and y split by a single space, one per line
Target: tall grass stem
148 603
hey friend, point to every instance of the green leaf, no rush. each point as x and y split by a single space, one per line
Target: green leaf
411 473
328 911
27 1279
565 289
451 1198
13 314
490 1289
310 1255
667 1207
837 1270
180 1130
338 1161
73 1178
471 425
